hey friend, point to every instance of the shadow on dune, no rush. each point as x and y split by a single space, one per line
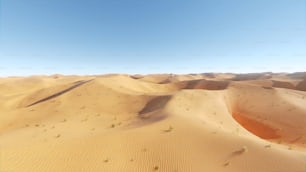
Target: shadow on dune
206 84
165 81
136 76
282 84
154 104
252 76
209 75
76 84
301 85
297 75
152 112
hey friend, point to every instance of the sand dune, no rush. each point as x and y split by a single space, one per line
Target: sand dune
301 85
166 122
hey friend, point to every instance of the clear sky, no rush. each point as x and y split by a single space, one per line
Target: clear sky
151 36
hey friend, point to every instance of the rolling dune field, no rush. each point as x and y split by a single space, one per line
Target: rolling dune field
162 122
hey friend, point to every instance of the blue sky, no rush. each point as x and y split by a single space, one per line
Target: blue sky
151 36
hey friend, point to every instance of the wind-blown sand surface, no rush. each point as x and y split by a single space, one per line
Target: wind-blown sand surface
140 123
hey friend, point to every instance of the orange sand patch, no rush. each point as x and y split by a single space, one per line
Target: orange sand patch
256 127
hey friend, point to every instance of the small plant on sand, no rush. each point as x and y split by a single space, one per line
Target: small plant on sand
58 136
106 160
241 151
156 168
227 163
237 130
169 129
244 149
267 146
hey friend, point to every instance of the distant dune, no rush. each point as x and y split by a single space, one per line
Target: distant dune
143 123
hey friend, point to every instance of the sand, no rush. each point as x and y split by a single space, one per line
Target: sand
166 122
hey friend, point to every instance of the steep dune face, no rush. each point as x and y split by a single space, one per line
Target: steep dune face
185 123
205 84
282 84
301 85
274 114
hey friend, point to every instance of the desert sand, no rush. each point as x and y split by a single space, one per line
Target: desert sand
143 123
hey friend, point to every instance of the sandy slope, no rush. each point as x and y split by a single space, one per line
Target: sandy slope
182 123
